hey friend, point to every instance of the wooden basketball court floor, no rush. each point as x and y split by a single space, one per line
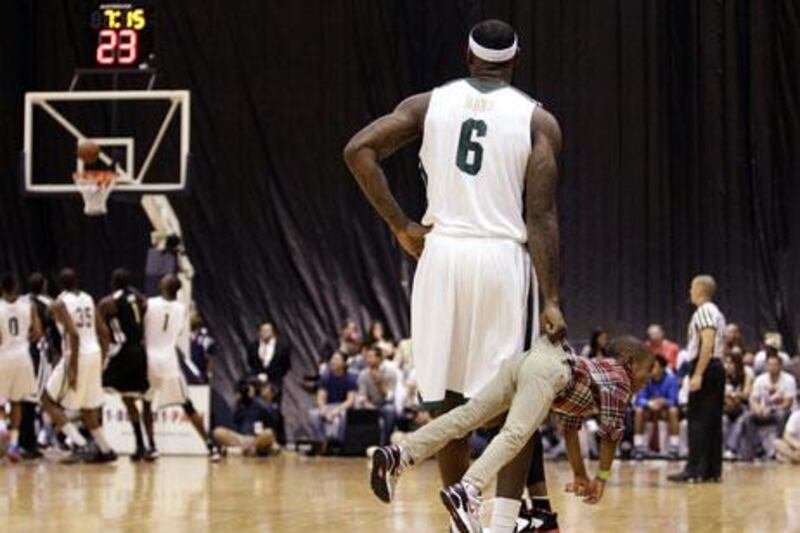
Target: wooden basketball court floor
297 494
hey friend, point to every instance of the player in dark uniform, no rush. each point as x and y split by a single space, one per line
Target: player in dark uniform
120 323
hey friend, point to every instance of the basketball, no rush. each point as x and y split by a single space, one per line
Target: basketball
88 152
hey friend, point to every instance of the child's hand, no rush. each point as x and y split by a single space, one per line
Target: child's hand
579 486
595 491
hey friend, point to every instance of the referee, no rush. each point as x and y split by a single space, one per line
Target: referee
706 386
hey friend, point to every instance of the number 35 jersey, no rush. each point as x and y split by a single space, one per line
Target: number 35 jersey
163 324
474 155
80 307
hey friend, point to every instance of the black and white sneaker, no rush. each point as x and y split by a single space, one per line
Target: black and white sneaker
463 502
151 455
387 465
536 520
100 457
214 455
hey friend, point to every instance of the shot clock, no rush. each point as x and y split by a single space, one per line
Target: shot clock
121 35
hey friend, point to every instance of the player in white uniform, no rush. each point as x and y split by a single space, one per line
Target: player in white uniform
163 324
19 324
76 382
488 154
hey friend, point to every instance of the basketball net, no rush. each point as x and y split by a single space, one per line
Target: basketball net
95 186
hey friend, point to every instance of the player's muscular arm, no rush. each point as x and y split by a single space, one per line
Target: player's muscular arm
542 217
377 141
61 316
37 330
104 310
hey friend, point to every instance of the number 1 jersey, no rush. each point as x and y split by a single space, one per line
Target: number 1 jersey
474 156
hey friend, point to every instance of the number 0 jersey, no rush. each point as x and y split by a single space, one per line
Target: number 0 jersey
15 323
80 307
475 150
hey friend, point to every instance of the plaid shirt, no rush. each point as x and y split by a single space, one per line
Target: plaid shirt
598 387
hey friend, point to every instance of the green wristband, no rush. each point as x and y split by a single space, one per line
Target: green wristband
603 475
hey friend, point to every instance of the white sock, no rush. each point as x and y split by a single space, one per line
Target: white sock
504 515
73 434
14 437
100 439
638 441
674 441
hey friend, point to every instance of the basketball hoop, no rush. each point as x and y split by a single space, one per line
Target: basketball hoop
95 186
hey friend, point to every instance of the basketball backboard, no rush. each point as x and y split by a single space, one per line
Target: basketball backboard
143 137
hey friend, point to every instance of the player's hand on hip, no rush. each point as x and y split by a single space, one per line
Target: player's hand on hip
412 238
579 485
72 378
553 323
595 492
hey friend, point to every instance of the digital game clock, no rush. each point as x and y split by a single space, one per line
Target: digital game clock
121 34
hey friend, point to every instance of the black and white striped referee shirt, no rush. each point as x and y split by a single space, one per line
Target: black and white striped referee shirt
707 316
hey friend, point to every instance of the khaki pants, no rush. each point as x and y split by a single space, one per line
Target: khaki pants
525 385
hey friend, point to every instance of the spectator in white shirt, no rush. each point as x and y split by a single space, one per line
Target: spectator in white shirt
788 448
773 343
771 401
376 390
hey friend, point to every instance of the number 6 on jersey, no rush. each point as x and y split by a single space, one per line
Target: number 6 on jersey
469 157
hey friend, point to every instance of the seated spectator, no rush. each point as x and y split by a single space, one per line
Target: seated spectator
787 449
336 394
738 387
349 338
657 401
733 337
773 343
379 339
376 389
770 403
658 344
357 363
404 357
257 421
597 344
269 356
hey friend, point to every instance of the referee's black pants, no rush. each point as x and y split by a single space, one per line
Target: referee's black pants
705 423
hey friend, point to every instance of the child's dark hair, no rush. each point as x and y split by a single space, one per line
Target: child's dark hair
629 351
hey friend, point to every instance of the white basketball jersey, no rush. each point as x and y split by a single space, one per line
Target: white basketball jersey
163 323
80 307
475 150
15 323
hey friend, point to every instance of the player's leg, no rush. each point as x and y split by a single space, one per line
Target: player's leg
541 376
90 397
57 390
197 422
12 451
389 461
510 486
92 422
136 423
541 514
147 419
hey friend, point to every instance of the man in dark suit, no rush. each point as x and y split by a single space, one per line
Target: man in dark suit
269 355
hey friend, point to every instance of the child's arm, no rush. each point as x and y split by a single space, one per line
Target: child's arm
608 448
580 482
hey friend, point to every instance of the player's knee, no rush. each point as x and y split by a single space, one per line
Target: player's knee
514 436
189 409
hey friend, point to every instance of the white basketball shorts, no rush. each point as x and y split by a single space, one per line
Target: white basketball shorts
17 378
88 393
469 312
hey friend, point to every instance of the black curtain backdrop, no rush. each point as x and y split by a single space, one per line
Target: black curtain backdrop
681 123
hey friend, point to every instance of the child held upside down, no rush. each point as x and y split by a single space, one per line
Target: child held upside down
545 378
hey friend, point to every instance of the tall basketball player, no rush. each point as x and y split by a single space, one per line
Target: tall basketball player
121 327
76 382
163 324
18 323
489 155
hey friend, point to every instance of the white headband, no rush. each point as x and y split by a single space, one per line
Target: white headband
491 55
